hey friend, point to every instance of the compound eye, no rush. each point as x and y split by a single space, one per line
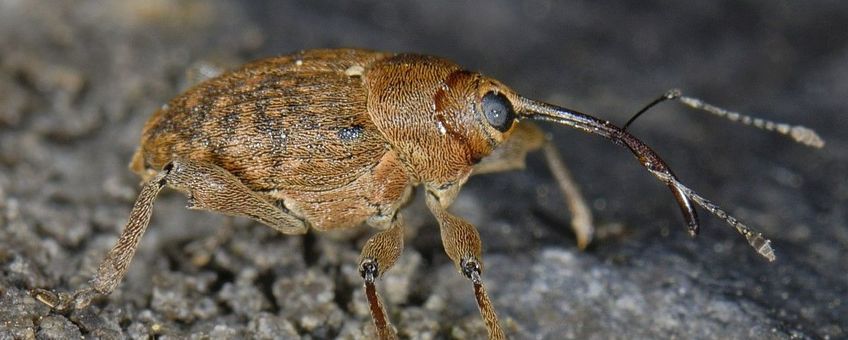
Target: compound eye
498 111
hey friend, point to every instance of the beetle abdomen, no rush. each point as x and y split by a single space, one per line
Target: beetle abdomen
296 122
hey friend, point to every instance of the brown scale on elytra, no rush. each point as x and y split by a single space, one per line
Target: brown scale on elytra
331 139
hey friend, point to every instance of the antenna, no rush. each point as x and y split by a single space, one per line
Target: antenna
798 133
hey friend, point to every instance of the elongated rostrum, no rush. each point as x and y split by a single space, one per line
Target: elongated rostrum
331 139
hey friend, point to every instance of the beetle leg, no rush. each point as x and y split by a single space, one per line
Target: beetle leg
462 244
379 254
581 215
213 188
209 187
510 156
117 261
511 153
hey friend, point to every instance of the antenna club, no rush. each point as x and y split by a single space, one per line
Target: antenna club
806 136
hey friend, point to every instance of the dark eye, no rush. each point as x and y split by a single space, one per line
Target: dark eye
498 111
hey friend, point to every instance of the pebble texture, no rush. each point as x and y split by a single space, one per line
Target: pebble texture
78 80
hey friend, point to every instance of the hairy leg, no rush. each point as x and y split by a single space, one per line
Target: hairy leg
511 155
379 254
462 244
581 215
209 187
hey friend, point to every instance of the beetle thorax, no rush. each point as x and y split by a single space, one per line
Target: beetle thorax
426 108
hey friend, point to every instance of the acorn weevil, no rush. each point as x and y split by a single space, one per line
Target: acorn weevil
331 139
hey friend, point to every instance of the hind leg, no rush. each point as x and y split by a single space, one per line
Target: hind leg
209 187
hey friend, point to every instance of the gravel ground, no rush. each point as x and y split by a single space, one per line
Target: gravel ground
78 80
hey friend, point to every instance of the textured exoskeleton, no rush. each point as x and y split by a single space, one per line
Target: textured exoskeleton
330 139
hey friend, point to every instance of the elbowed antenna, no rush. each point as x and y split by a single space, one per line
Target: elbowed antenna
650 160
799 133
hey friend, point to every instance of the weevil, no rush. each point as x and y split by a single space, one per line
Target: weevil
332 139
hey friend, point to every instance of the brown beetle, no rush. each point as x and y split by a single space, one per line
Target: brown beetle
329 139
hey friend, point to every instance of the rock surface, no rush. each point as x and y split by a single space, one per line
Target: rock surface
78 79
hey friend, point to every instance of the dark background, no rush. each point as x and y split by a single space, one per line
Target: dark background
78 80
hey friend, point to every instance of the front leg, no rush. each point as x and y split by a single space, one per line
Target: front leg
462 244
209 187
511 154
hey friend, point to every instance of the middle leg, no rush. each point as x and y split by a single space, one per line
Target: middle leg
378 255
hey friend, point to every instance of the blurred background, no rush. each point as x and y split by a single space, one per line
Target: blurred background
78 80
